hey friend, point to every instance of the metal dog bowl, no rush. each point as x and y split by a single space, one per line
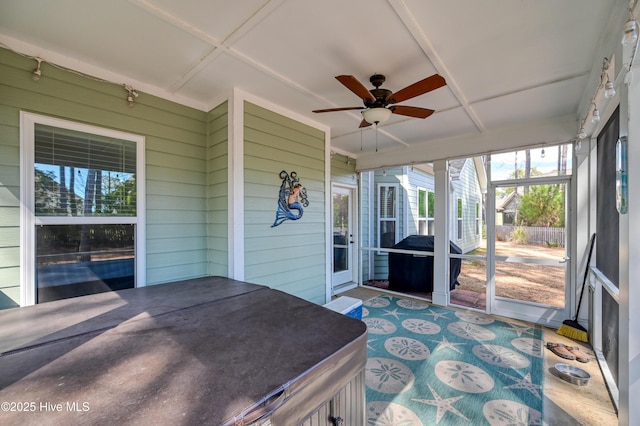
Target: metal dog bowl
573 374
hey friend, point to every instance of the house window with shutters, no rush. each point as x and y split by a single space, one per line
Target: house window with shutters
387 215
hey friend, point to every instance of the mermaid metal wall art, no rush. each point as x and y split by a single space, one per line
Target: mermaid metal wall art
291 198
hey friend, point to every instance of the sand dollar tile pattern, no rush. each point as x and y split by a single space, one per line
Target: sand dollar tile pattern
379 326
383 413
529 346
432 365
510 413
388 375
421 326
471 331
407 348
464 377
501 356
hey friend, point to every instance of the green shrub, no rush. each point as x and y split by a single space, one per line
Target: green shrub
520 235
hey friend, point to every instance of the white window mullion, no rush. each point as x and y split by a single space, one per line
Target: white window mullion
27 232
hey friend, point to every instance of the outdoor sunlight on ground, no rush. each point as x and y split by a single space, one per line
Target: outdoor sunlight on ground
536 283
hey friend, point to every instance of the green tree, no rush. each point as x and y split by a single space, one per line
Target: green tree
118 196
542 205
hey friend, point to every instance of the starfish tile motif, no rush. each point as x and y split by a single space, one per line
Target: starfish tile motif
524 383
446 344
444 405
437 315
519 329
394 313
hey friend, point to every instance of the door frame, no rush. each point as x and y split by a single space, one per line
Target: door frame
349 278
528 311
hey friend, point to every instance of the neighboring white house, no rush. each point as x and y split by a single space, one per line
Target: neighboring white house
400 202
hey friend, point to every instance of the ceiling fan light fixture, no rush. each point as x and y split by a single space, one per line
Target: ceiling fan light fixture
376 115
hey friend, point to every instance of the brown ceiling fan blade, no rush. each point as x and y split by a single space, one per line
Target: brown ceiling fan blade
364 123
352 83
337 109
416 89
411 111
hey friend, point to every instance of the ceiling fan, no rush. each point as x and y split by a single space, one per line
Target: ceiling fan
379 103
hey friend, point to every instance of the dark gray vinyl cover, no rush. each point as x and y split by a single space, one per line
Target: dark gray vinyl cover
206 351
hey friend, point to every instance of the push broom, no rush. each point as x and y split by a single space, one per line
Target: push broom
572 328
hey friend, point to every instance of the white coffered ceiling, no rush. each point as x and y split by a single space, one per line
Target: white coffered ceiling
508 63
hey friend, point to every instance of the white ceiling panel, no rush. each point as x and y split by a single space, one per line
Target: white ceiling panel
537 104
454 122
217 18
506 62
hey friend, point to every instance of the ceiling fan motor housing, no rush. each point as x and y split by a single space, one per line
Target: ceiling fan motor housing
380 94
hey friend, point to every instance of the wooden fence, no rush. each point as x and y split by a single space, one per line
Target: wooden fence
534 234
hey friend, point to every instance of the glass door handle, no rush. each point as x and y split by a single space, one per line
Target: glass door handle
565 259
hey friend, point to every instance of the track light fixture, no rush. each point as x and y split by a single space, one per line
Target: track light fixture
609 90
131 94
37 73
582 134
595 116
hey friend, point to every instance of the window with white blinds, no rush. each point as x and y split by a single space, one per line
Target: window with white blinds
387 215
83 174
426 203
83 192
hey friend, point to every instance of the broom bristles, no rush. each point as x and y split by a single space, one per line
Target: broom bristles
573 330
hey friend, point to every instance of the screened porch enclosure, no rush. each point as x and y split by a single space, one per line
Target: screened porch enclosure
525 259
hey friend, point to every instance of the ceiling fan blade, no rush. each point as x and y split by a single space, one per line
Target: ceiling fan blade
337 109
416 89
411 111
352 83
364 123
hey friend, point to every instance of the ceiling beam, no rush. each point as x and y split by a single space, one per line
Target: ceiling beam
539 133
409 21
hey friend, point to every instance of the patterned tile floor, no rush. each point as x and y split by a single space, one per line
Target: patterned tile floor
564 403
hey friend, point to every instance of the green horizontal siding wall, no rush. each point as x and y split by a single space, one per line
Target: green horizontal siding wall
292 256
343 170
9 205
217 189
176 169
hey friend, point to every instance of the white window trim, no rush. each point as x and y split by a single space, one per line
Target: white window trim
459 219
396 209
28 220
426 213
431 219
478 213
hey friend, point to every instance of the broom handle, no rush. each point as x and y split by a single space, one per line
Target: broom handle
586 272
